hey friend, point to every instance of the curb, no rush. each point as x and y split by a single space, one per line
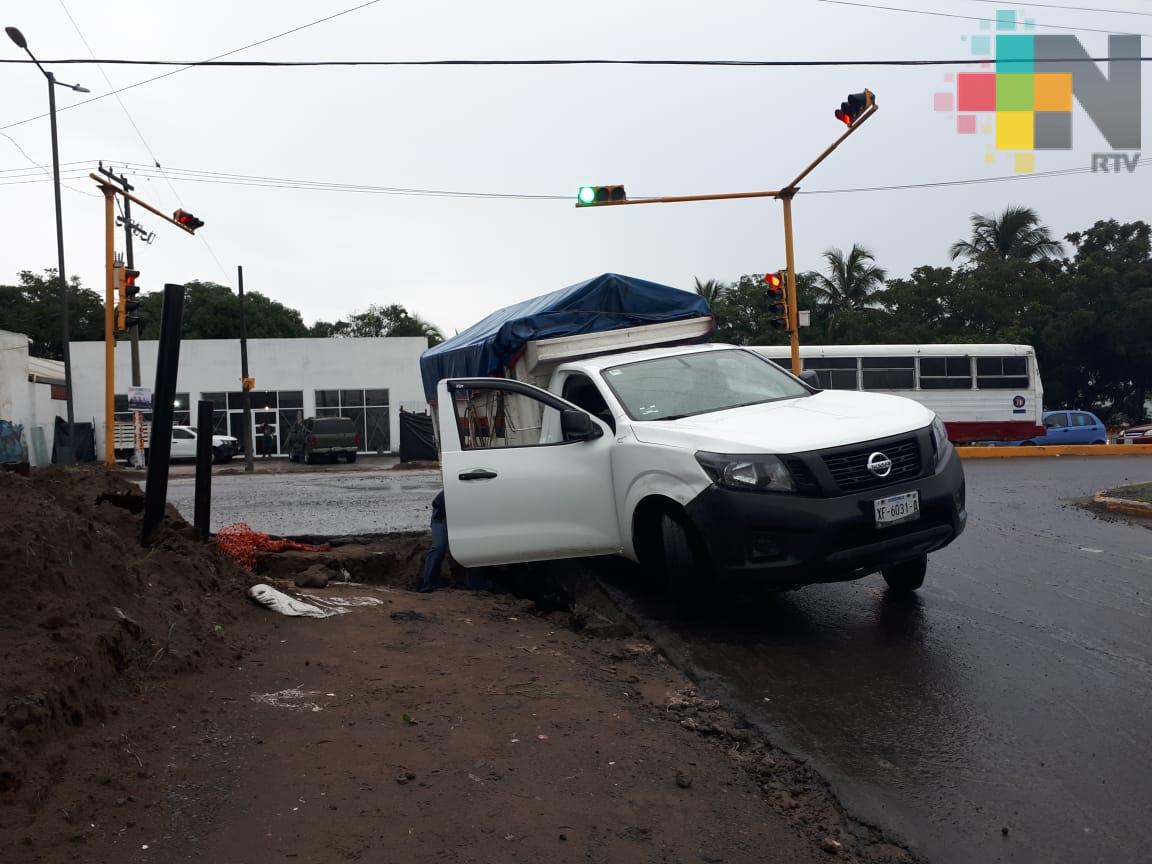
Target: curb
1123 505
1094 450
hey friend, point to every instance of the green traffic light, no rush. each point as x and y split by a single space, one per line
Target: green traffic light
586 195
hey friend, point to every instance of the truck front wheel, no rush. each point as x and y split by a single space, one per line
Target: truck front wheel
683 565
907 575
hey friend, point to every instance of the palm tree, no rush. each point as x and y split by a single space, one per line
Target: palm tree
1015 233
849 284
712 290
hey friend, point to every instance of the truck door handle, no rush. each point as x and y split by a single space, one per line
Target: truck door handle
479 474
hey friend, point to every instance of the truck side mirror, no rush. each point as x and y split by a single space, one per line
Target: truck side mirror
577 426
809 377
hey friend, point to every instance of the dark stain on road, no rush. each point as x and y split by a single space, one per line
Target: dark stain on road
1001 713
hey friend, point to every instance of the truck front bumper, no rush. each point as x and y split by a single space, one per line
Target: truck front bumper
784 541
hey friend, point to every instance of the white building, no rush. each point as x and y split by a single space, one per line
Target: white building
31 395
369 380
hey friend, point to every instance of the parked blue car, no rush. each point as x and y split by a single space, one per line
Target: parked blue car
1071 427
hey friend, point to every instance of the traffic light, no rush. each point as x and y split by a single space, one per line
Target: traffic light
778 299
187 220
590 196
124 284
849 112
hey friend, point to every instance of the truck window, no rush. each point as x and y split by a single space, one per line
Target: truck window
665 388
490 418
582 392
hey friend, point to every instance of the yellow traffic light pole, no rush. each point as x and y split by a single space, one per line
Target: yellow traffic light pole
109 302
785 196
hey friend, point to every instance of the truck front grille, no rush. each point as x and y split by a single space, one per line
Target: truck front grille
849 469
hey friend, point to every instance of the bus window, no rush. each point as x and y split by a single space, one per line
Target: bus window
1002 373
888 373
835 373
945 373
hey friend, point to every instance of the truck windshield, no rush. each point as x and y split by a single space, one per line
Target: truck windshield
668 388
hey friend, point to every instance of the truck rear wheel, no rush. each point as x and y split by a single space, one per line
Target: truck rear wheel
683 565
907 575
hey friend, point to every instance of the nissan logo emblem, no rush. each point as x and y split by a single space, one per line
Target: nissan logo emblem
879 464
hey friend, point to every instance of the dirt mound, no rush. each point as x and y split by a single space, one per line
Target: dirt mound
88 616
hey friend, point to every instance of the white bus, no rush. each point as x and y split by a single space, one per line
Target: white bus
982 392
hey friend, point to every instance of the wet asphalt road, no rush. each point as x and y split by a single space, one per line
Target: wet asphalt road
1013 691
324 502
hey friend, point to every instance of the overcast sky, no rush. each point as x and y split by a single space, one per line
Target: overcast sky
535 130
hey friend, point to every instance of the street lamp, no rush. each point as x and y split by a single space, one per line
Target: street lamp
66 455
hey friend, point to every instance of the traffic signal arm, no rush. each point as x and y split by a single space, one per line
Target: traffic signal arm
118 191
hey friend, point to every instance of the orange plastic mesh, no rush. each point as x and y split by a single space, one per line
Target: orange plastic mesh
241 543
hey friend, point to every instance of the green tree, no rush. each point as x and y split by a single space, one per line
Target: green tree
32 307
1094 342
391 320
713 290
212 311
742 316
846 291
1015 233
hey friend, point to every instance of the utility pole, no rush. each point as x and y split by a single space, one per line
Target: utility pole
181 219
246 382
133 332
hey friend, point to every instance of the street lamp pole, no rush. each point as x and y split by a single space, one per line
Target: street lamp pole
66 455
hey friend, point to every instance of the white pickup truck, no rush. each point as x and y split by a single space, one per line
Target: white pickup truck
703 461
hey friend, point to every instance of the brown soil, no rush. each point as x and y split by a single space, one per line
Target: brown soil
455 726
88 617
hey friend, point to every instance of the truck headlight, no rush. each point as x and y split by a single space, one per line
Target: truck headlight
941 446
750 473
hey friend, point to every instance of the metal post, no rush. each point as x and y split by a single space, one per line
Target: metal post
164 393
249 436
203 505
790 289
65 455
109 328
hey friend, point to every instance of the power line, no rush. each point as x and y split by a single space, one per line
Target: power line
964 17
217 57
139 134
1068 8
231 179
305 64
44 168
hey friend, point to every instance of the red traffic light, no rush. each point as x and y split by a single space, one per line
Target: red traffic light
774 280
849 112
187 220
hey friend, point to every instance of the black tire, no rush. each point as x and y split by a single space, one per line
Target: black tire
351 457
682 565
1027 443
333 457
308 457
906 576
218 455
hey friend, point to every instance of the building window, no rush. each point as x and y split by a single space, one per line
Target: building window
835 373
945 373
368 411
888 373
1002 373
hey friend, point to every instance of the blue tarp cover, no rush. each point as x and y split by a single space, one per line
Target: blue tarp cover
608 302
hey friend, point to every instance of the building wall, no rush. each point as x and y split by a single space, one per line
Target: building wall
30 405
278 365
